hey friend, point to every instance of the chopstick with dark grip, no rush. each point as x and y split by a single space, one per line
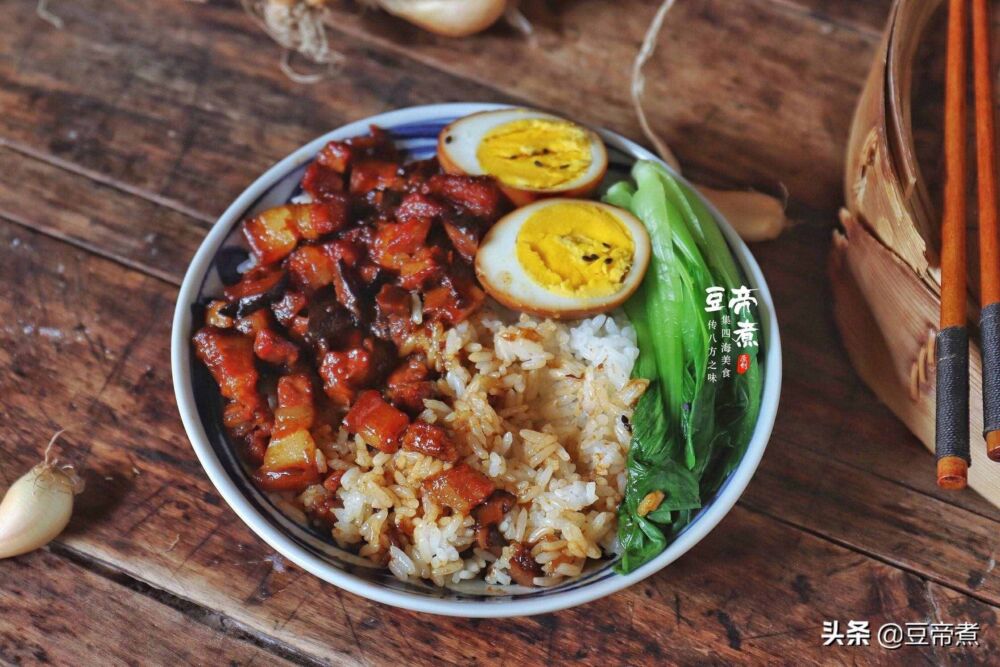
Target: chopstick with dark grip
952 417
990 329
989 230
952 437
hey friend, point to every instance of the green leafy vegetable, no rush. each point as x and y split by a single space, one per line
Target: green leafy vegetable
688 433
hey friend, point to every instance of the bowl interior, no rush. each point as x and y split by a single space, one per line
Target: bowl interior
217 263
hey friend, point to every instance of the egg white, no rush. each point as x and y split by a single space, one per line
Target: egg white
459 142
504 278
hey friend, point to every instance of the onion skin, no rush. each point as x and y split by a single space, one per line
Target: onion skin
450 18
35 509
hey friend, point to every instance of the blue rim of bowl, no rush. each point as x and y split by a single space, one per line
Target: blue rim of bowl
417 127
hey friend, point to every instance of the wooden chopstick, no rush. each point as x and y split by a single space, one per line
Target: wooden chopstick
989 230
952 435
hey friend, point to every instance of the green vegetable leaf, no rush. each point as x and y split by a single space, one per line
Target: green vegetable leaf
649 427
677 484
620 194
688 433
641 542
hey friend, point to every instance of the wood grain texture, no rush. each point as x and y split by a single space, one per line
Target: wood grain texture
867 17
151 514
183 102
127 132
41 600
725 94
185 99
102 218
784 261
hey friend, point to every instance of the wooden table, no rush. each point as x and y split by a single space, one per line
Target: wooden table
123 136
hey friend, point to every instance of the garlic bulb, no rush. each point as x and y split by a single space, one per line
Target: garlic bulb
37 507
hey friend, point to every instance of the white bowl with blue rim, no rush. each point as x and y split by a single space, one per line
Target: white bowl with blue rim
415 130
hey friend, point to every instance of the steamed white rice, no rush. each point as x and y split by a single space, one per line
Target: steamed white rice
537 406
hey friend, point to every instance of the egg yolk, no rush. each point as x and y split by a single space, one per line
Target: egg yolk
576 249
535 153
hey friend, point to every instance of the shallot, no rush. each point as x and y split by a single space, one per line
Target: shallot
447 17
37 507
754 215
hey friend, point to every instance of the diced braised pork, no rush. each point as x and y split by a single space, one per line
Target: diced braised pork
274 348
288 307
229 358
460 488
523 566
410 384
347 371
295 409
257 289
453 301
419 206
368 175
380 424
275 233
351 293
396 242
393 314
431 440
488 516
476 195
215 317
464 236
290 460
322 183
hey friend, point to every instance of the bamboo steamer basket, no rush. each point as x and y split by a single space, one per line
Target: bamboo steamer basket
883 265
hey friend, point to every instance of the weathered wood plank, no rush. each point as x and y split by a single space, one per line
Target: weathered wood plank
947 606
55 612
96 216
200 106
938 540
74 357
183 101
863 481
726 94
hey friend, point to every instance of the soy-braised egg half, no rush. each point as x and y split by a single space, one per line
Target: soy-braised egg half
530 153
564 258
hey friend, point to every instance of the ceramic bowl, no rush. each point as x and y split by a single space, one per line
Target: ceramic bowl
415 129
